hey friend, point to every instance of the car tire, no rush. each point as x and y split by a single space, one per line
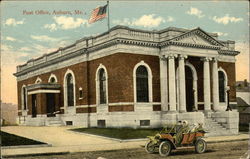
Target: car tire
200 146
165 148
150 147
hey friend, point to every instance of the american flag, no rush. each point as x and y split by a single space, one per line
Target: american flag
98 13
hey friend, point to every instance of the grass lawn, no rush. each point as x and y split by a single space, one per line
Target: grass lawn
119 133
14 140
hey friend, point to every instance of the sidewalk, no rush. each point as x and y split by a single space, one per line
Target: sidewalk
64 141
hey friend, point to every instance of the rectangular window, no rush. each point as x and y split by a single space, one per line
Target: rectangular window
24 99
101 123
142 90
80 94
144 122
69 122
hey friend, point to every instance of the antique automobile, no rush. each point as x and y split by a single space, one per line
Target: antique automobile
175 136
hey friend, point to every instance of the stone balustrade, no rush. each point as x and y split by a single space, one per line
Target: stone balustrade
115 33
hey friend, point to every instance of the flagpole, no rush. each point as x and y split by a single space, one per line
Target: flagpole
108 16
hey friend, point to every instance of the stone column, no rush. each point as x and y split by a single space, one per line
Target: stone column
164 83
171 80
215 85
182 85
206 84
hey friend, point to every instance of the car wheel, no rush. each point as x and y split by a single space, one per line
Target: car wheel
150 147
200 146
165 148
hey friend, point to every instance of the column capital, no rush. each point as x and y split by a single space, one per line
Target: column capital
206 59
182 57
215 59
172 56
163 58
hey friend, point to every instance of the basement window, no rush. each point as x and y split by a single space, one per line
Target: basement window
144 122
69 122
101 123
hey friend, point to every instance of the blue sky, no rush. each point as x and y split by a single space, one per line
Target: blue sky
27 36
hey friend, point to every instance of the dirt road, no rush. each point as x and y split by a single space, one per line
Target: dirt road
225 150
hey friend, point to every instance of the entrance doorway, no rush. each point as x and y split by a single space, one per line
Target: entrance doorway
34 105
189 89
50 104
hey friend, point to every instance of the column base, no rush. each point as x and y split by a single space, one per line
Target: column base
208 113
182 111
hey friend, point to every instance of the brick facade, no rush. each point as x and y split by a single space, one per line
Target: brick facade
120 81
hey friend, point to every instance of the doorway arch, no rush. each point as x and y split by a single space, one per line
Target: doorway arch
191 87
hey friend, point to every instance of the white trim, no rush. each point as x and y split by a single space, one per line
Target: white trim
225 86
232 102
85 106
43 91
51 76
118 104
150 89
226 58
101 66
65 87
121 103
195 78
38 80
22 97
195 89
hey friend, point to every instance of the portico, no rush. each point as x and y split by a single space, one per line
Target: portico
174 61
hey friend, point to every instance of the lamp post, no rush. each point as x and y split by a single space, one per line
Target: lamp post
228 106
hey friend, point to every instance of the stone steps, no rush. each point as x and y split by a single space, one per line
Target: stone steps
214 128
54 121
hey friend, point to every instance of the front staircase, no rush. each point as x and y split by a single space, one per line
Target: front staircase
54 121
214 128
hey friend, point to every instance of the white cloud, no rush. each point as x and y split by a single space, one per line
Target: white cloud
25 49
6 47
226 19
170 19
10 38
221 33
196 12
13 22
65 23
44 38
51 27
147 21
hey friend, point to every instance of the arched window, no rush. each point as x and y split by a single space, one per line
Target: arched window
222 85
70 89
24 98
102 86
52 79
38 80
142 91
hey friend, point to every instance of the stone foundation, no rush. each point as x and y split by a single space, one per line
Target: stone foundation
228 119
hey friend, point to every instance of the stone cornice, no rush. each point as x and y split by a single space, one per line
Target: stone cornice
167 43
128 36
228 52
43 86
200 32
